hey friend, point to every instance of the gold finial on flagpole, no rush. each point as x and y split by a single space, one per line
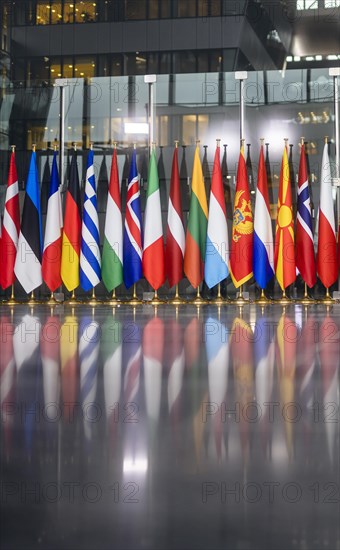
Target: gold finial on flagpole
326 140
33 147
286 141
75 145
153 145
218 142
262 141
176 143
91 145
55 147
115 145
135 146
198 141
13 148
302 140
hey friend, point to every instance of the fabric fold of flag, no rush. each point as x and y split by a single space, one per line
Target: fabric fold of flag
175 235
132 239
197 226
112 257
327 263
241 254
72 230
263 256
51 260
284 238
217 244
11 227
29 255
90 268
153 259
304 252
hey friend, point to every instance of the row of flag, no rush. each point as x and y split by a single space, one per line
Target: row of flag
67 358
70 252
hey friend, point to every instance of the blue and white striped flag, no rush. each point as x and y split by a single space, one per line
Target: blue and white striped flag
90 271
89 342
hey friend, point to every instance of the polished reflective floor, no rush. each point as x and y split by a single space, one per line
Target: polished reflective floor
170 429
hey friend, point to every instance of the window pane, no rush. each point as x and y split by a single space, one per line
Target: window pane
69 12
153 9
116 65
215 61
165 63
202 62
85 67
68 67
135 63
215 7
203 6
153 59
186 8
135 9
184 62
85 11
165 9
55 68
43 13
332 3
56 12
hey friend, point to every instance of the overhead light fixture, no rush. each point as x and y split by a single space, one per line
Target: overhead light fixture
136 128
309 58
332 57
297 58
318 58
289 58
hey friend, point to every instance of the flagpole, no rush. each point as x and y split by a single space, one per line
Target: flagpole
327 299
177 300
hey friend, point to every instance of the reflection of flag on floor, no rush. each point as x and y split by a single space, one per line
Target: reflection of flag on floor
30 244
175 355
263 258
51 261
153 346
132 240
89 341
111 351
284 239
305 364
175 236
327 264
132 356
329 337
197 226
69 365
11 227
286 361
241 350
90 270
217 346
112 259
50 358
305 258
217 245
26 340
7 380
264 357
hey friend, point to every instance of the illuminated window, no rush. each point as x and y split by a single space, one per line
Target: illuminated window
194 127
43 13
332 3
307 4
55 68
203 6
153 9
135 9
186 9
69 12
56 13
85 67
85 12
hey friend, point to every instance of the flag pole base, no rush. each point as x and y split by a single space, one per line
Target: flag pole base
307 300
93 301
73 301
263 300
240 300
11 301
327 300
219 300
156 301
177 300
199 301
134 301
52 301
284 301
113 300
32 300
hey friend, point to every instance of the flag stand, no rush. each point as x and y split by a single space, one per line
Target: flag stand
328 300
113 301
219 299
32 300
240 301
198 301
156 300
93 300
262 300
134 301
284 301
306 300
12 299
51 301
73 301
177 300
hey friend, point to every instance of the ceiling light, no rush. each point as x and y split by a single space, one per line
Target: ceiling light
297 58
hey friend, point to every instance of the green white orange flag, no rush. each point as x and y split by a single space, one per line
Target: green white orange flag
284 239
153 260
112 258
241 254
197 226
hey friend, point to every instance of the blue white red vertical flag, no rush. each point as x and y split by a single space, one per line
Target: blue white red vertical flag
90 270
51 260
263 257
304 248
217 243
30 245
132 240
